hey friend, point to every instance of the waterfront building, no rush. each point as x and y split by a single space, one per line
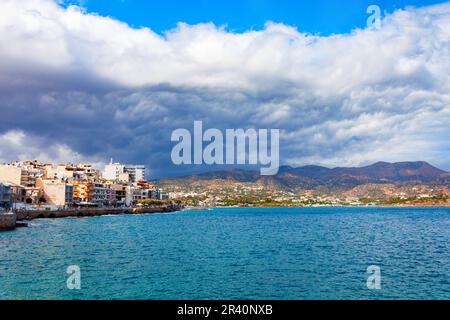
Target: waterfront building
124 178
58 172
34 184
32 196
103 194
94 193
71 172
5 196
56 192
143 190
120 194
113 171
162 195
18 194
118 172
136 172
23 175
88 171
83 192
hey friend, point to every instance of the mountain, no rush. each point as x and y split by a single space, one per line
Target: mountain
326 180
380 172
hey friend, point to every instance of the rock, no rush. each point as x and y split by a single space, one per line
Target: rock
7 221
21 224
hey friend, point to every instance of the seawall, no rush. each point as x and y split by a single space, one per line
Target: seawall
8 221
55 214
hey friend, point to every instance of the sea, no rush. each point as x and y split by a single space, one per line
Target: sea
359 253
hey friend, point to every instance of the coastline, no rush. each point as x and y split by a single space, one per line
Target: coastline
437 205
28 215
12 220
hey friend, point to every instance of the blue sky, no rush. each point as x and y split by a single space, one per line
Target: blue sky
318 16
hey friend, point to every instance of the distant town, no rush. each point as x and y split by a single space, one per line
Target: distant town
29 185
380 184
36 186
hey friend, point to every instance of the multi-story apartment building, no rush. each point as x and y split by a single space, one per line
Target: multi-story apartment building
33 183
103 194
124 172
135 194
121 194
56 192
136 172
113 171
88 171
94 193
71 172
20 175
57 172
83 192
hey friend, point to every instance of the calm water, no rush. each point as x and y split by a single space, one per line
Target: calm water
314 253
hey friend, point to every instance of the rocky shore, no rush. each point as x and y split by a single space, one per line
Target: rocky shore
9 221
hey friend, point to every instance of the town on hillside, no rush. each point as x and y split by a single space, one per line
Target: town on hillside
30 185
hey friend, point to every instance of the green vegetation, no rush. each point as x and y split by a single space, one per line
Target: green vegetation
416 200
268 202
156 203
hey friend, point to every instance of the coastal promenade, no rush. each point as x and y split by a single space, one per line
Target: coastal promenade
8 221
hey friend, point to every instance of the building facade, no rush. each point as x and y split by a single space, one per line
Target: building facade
136 173
5 196
113 171
20 175
126 173
56 193
103 194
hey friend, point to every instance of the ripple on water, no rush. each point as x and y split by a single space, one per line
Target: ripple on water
310 253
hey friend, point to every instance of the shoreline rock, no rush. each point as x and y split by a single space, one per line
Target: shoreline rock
8 221
27 215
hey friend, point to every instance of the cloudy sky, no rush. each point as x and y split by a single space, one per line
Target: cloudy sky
94 82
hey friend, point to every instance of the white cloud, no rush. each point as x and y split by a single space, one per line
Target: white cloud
410 44
345 99
16 144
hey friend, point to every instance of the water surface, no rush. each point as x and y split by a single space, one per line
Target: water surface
304 253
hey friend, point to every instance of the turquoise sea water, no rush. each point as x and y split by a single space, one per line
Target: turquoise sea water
310 253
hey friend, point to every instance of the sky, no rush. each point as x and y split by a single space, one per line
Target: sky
318 17
113 79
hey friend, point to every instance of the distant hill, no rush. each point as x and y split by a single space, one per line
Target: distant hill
316 177
380 172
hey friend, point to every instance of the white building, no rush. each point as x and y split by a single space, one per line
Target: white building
113 171
136 173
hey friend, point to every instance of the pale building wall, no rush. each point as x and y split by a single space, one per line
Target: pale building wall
58 172
10 174
136 172
124 177
56 193
113 171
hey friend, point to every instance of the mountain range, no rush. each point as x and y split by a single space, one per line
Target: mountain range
326 180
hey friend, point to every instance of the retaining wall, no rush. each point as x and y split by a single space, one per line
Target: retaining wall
31 214
8 221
